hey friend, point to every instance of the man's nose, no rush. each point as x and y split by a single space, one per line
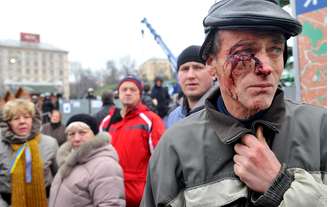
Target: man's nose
191 73
263 67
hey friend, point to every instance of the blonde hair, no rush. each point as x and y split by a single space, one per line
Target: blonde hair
17 106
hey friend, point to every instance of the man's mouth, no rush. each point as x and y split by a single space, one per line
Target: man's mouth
261 85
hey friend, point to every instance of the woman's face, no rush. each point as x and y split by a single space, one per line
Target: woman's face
21 124
79 135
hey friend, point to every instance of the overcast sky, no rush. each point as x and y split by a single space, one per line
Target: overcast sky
94 31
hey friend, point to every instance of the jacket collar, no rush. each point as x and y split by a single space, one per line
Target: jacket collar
135 111
67 157
228 129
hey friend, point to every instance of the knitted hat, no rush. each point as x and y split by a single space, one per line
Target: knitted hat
247 14
85 118
191 53
132 79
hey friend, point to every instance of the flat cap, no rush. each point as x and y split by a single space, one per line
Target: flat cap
247 14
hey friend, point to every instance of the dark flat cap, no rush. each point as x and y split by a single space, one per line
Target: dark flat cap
247 14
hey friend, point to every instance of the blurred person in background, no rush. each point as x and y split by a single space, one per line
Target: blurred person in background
108 105
109 113
47 107
161 97
147 99
89 173
195 80
135 137
55 128
27 163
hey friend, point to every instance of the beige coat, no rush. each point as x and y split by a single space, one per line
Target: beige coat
88 176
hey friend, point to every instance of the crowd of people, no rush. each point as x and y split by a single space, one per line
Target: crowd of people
233 140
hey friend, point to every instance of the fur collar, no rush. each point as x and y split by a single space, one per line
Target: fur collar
68 158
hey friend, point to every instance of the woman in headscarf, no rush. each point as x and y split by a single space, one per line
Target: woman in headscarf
89 173
27 157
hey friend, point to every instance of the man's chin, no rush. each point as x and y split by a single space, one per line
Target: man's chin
129 104
260 104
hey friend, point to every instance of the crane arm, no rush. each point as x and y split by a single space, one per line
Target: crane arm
161 43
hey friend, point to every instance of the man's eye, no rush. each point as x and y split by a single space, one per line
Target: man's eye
198 67
184 69
276 50
245 51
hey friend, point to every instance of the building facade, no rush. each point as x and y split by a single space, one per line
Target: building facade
156 67
36 66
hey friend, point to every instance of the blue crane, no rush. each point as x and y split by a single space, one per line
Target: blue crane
158 39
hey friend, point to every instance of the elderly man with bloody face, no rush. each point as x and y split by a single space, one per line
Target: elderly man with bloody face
249 146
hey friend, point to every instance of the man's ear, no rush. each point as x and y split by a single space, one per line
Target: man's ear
211 64
209 61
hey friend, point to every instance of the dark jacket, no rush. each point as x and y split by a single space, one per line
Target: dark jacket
102 113
163 98
56 131
193 163
147 100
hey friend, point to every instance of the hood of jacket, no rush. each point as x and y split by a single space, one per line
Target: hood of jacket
8 136
99 146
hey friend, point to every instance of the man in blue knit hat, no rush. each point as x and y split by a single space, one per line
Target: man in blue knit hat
249 146
134 137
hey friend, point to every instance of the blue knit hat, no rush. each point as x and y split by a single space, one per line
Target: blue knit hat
132 79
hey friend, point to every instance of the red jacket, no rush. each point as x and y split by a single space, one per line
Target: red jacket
134 137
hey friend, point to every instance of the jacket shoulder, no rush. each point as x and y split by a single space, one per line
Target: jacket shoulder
105 164
307 111
151 115
48 140
187 128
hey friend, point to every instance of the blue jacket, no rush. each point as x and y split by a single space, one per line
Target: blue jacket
183 110
177 114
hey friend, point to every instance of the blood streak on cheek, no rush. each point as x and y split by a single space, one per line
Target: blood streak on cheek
240 64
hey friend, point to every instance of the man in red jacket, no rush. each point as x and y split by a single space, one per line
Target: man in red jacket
135 137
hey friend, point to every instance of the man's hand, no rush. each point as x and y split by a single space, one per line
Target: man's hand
255 163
